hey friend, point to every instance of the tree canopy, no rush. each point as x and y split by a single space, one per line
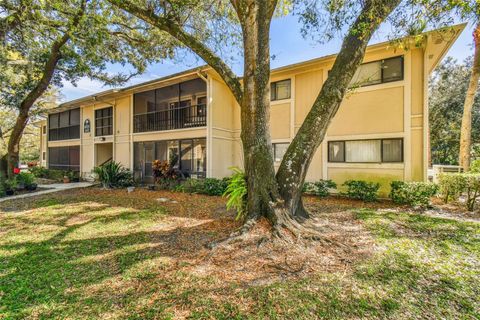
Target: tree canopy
447 90
44 43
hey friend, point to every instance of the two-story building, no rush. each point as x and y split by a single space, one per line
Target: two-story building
380 132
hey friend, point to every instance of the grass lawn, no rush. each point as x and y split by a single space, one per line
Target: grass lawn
95 254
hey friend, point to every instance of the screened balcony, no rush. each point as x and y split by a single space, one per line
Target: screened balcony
179 106
175 118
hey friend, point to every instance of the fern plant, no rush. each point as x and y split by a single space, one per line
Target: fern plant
113 175
236 193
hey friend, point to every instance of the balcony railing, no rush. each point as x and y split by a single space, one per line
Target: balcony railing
178 118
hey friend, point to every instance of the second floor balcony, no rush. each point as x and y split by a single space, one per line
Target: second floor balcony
184 117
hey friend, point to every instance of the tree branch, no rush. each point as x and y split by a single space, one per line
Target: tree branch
171 27
295 163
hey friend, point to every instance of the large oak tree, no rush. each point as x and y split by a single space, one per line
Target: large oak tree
277 196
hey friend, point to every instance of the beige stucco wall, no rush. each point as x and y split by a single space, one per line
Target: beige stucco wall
374 112
390 110
223 137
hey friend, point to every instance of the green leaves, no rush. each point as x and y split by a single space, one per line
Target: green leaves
236 193
113 175
447 90
412 193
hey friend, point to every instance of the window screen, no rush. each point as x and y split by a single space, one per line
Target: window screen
104 122
366 151
392 150
64 158
393 69
363 151
376 72
279 150
336 151
64 125
280 90
368 74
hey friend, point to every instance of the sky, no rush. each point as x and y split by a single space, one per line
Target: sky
287 46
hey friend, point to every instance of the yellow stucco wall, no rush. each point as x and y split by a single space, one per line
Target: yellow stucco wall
389 110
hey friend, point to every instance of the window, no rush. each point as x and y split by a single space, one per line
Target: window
64 125
44 155
64 158
392 150
104 122
336 151
44 129
376 72
279 150
366 151
280 90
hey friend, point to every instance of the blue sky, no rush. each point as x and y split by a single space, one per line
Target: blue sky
287 45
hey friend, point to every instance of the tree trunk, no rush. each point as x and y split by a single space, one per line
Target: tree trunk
255 110
13 148
466 129
295 163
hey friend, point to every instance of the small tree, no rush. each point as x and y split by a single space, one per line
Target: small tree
469 10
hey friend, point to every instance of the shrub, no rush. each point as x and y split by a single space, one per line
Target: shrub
362 190
451 186
2 189
208 186
475 166
10 184
39 172
319 188
113 175
213 187
412 193
44 173
25 179
236 193
472 190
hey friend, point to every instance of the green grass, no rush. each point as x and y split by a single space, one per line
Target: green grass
90 256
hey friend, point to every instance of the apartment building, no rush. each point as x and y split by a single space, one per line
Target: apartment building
380 132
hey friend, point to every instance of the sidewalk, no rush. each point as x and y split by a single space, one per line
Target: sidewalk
56 187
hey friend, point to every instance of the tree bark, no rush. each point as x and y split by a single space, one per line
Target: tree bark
293 169
28 102
255 18
466 129
42 85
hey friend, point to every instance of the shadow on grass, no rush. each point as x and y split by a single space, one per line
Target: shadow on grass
61 274
123 265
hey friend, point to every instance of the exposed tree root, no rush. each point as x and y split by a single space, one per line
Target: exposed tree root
284 229
235 236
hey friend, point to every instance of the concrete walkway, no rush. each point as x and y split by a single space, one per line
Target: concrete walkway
55 187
